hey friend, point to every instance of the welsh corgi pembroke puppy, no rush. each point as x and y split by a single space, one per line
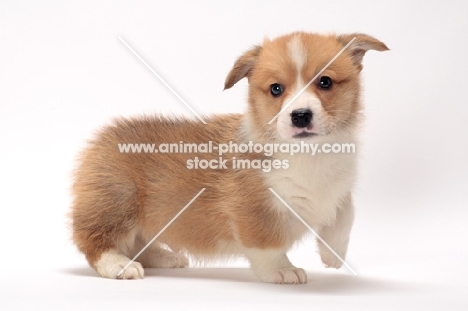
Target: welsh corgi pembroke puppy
123 199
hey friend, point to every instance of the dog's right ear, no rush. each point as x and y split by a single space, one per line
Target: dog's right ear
243 66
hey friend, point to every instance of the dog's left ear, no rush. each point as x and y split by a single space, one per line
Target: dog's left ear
361 45
243 66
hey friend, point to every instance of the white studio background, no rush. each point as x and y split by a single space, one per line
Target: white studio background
64 73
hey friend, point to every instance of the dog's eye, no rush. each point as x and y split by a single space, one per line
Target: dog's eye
276 89
325 82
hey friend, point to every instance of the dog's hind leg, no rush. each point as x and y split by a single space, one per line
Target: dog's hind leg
105 217
156 256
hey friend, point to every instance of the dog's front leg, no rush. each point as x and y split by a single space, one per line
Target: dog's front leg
337 235
273 266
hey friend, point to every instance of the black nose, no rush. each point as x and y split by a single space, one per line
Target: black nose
301 117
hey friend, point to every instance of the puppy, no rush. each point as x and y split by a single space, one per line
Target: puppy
123 199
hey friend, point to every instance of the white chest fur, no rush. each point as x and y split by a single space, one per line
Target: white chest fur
314 185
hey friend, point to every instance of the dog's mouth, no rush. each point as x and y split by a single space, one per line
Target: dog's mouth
304 134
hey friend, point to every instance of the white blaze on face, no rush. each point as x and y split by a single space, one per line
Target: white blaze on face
297 53
307 100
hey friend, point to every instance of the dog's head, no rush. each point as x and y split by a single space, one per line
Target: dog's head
300 88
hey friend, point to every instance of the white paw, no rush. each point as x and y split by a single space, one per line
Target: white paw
173 260
111 264
157 257
285 276
330 260
134 271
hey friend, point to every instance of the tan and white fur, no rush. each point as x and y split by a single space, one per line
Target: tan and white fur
122 200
